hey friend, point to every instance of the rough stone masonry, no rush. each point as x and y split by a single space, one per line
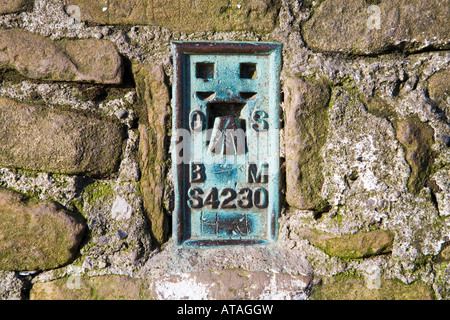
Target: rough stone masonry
86 191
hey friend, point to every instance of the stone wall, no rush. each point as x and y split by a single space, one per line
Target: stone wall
86 194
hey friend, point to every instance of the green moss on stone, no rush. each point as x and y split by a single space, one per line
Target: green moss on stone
354 287
98 192
108 287
347 27
205 15
11 76
16 6
154 128
36 235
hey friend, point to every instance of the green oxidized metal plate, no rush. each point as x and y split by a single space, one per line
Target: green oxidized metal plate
225 146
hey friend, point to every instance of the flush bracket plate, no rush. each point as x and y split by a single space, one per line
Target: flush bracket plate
225 143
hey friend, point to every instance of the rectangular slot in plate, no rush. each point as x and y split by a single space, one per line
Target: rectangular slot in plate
225 143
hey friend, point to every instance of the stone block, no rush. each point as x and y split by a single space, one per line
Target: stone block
13 6
36 57
361 27
40 139
36 235
186 16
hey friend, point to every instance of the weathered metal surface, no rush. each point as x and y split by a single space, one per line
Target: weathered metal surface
225 147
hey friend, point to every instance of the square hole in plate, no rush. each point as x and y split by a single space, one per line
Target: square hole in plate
204 70
248 71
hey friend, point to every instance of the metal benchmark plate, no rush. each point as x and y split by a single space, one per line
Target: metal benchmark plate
225 146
